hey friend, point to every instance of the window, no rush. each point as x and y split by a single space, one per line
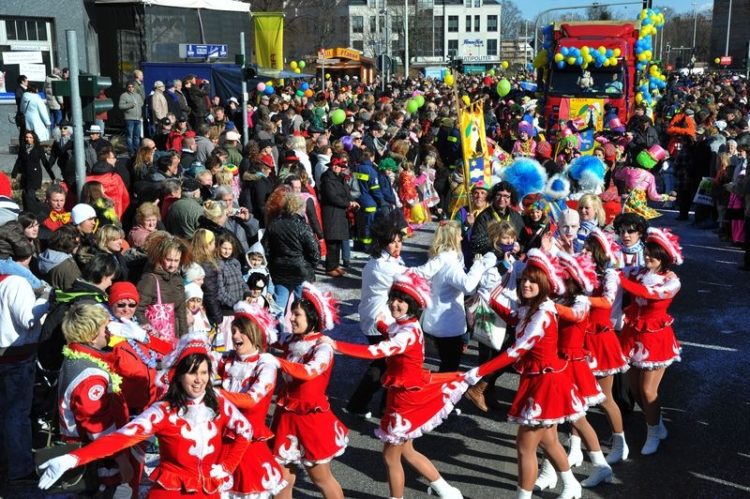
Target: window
373 24
477 3
453 25
492 46
468 24
28 30
467 4
358 24
492 23
476 24
397 24
358 44
452 47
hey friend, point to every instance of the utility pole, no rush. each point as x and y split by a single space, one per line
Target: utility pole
406 39
695 22
245 125
77 112
729 28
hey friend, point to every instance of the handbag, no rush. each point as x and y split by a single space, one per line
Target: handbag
81 480
161 317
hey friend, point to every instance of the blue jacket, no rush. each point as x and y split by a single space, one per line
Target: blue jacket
371 197
387 189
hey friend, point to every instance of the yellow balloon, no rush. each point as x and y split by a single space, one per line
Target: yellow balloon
638 97
505 64
269 82
293 64
585 51
605 63
602 50
328 76
466 99
613 61
449 80
589 59
559 57
644 14
717 60
616 52
571 60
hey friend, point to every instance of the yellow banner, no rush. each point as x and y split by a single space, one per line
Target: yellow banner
269 40
589 112
474 143
342 53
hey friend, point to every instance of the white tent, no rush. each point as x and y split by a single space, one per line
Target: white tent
226 5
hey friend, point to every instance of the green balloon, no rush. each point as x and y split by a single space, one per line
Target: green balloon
301 64
412 106
492 72
420 100
503 87
300 93
338 116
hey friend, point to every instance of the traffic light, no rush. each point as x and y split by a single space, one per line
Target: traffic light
459 65
249 72
90 87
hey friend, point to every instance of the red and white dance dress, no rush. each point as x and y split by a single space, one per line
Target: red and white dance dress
601 340
546 392
307 431
648 340
91 404
571 331
192 444
249 384
417 400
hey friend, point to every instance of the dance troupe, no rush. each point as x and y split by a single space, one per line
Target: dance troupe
580 305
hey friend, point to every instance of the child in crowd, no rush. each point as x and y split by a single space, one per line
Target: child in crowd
591 211
196 315
536 222
256 259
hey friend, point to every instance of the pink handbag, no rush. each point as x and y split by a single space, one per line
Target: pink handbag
161 317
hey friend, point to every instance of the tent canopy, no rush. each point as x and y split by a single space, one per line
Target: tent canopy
226 5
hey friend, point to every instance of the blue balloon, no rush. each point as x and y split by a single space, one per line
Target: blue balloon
598 63
269 90
609 53
646 21
579 60
564 51
560 64
305 86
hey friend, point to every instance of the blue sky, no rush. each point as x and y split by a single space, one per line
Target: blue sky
531 9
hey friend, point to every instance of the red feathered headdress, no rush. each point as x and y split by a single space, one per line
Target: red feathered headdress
187 345
608 244
262 318
324 303
667 240
415 286
537 258
580 268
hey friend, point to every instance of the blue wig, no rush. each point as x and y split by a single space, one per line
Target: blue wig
526 175
588 172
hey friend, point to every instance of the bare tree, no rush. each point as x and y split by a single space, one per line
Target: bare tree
512 20
599 13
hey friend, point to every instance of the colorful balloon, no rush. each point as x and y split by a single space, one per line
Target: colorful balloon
302 64
412 106
338 116
293 64
449 80
420 100
559 57
503 87
260 86
505 64
308 93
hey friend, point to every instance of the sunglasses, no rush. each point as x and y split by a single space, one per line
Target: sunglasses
126 305
628 231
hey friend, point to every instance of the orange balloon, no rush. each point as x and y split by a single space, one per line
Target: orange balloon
308 93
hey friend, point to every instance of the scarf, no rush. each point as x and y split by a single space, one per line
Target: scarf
60 217
635 252
583 232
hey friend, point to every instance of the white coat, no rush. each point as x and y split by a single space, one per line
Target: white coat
34 110
20 314
377 279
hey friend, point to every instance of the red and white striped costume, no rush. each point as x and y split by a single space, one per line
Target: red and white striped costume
572 325
601 340
307 431
546 393
648 340
190 443
249 384
418 400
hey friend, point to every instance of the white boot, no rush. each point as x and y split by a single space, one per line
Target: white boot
547 478
571 487
654 437
575 455
602 471
619 450
444 490
523 494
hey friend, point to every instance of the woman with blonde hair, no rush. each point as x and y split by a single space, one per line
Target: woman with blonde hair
298 144
203 248
591 210
144 162
146 221
444 320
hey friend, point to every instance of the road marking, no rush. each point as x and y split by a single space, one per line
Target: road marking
717 284
743 455
730 250
720 481
710 347
727 262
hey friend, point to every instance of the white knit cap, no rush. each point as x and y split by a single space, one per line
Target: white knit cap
193 272
192 290
82 212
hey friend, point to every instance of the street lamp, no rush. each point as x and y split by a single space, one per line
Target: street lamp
729 28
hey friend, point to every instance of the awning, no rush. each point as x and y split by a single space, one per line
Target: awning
226 5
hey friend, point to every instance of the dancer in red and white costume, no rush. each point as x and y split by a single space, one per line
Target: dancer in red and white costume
601 340
202 436
248 377
578 276
648 339
307 431
546 393
417 400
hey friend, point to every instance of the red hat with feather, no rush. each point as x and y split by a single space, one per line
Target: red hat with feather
537 258
415 286
187 345
580 268
667 240
608 244
324 303
261 317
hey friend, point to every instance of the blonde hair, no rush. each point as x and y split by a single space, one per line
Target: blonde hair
107 233
296 142
146 210
294 204
497 230
223 178
214 209
199 245
596 203
82 322
446 238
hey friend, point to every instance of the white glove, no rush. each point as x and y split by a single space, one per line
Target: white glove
55 468
489 260
472 377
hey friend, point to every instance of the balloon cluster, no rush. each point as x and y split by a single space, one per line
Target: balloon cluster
583 56
651 21
297 66
304 90
265 88
650 86
413 104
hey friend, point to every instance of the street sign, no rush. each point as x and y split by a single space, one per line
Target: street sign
327 62
725 60
384 63
202 51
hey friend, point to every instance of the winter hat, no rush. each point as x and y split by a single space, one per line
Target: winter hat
82 212
537 258
193 272
192 290
257 280
122 291
667 240
324 304
415 286
544 150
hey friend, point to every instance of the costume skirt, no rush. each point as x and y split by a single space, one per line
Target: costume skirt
606 353
308 439
586 381
650 349
638 203
258 476
410 413
546 399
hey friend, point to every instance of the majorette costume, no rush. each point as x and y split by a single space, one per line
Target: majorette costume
601 340
648 339
191 441
249 382
417 400
573 322
307 431
546 393
91 403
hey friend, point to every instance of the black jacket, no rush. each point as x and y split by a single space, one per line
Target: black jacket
334 199
29 164
293 252
480 241
256 189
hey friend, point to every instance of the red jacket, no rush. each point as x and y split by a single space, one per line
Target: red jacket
114 189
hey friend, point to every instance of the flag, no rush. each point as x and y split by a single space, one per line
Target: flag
269 40
474 143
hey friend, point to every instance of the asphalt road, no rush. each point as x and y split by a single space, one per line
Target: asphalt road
705 398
